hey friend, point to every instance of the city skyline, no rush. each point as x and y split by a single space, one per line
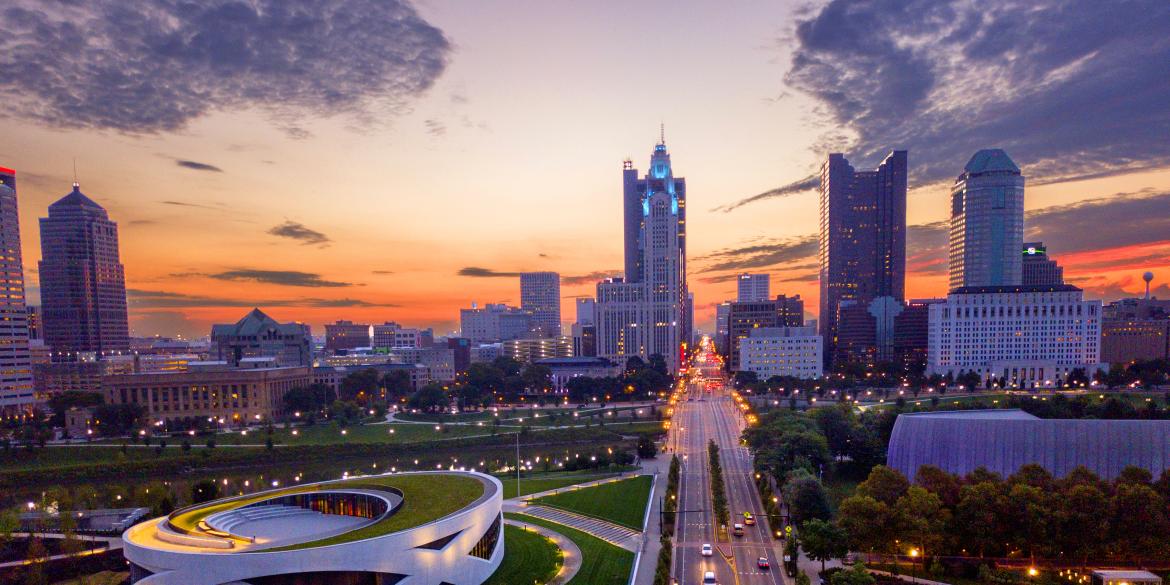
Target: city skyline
221 210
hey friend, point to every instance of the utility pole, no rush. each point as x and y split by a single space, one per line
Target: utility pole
517 464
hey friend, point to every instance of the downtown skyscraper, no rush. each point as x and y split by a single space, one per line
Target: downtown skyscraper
987 222
16 382
540 294
862 247
83 284
649 312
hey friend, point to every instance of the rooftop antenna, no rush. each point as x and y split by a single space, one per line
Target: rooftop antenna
75 183
661 133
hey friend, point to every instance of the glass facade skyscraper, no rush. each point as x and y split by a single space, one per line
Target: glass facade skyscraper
862 247
540 293
16 383
987 222
83 284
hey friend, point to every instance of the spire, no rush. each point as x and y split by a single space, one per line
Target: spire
662 133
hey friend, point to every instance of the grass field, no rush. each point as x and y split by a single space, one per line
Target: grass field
601 562
528 558
328 433
539 482
621 502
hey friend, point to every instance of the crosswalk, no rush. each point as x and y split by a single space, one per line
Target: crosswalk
607 531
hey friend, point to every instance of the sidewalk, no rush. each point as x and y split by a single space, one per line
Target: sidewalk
652 535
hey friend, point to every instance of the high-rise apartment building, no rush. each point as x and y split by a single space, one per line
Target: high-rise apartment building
540 294
83 283
494 322
649 312
344 335
987 222
862 247
742 318
1036 268
16 380
751 288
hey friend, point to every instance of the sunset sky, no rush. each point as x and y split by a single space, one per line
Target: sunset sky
380 160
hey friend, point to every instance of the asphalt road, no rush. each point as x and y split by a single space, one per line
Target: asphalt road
702 414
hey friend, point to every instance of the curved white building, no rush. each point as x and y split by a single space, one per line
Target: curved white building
427 528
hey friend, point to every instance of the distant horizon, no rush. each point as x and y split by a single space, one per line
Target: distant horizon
409 178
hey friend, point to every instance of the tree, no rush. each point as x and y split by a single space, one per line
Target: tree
647 448
1138 522
921 519
59 403
855 575
867 523
939 483
114 420
823 541
204 490
507 365
430 398
1079 507
360 386
537 378
807 500
884 484
397 384
976 519
308 399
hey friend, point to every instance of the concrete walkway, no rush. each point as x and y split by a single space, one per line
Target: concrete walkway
572 553
652 536
577 486
607 531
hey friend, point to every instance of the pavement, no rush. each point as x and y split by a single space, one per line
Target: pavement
572 553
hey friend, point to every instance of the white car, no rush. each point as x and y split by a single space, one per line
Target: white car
709 578
707 550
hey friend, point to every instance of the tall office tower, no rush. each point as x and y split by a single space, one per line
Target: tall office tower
16 381
722 314
751 288
83 285
345 335
587 311
1036 268
862 244
987 222
584 330
783 311
649 312
540 294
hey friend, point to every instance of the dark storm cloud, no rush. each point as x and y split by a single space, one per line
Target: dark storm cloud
1070 88
760 255
198 166
156 65
478 272
278 277
1097 223
155 299
298 231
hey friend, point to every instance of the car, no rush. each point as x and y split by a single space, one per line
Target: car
762 564
737 530
748 519
706 550
709 578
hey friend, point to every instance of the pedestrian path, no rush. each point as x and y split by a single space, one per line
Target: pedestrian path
612 533
577 486
571 559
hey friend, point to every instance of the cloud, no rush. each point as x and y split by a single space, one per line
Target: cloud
297 231
1070 88
590 277
186 204
156 299
809 183
1094 223
478 272
198 166
278 277
383 272
138 222
435 127
157 65
767 252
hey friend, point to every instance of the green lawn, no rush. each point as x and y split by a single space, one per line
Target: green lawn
601 562
621 502
528 558
426 497
330 433
539 482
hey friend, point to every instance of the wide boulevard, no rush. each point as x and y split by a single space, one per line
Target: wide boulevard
705 411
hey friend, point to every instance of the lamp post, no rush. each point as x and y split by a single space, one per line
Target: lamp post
914 563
